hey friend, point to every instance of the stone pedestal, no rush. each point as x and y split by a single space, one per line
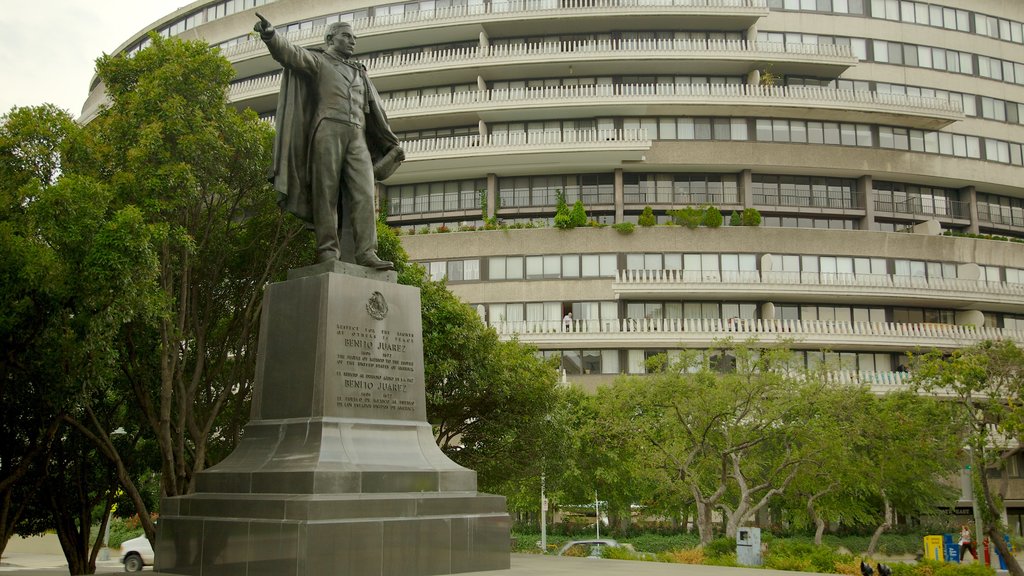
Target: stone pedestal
338 471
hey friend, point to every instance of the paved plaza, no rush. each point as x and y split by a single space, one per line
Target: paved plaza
522 565
38 557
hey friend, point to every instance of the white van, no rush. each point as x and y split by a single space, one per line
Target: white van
136 553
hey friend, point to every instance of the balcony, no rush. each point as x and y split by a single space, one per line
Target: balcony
838 201
456 157
593 57
954 209
882 289
700 333
525 17
698 99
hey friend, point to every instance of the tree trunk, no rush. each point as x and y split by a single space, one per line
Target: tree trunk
994 531
812 513
995 538
704 525
885 525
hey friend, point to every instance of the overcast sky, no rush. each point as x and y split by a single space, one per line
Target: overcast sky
48 48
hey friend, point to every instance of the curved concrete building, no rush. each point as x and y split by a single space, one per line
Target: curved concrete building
861 131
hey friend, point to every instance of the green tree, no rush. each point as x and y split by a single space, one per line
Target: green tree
728 429
750 217
170 144
563 216
906 424
690 217
647 217
875 455
606 458
32 292
489 400
81 268
987 382
712 217
578 215
832 487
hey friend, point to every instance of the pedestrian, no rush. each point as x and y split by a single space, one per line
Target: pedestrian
567 322
966 545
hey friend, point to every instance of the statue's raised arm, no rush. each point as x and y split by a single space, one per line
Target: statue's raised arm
264 27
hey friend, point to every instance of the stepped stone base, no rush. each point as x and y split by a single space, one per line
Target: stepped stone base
287 535
338 471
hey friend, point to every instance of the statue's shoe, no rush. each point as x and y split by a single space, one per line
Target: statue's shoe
377 263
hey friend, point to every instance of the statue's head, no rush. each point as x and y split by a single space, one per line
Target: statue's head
342 38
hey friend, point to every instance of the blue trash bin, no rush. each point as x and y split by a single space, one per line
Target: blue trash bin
951 548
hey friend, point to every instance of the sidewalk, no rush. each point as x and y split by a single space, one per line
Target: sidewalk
29 564
522 565
49 564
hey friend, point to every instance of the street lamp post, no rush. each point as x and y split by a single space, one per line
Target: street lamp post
543 517
105 551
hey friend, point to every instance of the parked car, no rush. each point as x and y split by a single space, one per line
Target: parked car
136 553
588 548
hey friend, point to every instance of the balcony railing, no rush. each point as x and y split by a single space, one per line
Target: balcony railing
681 198
514 8
672 93
959 286
598 49
854 202
673 330
542 141
950 208
1013 217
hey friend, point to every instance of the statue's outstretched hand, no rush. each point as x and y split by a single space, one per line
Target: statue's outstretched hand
264 27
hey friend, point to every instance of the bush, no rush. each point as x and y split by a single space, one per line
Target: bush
727 560
927 567
578 215
804 556
624 227
656 543
122 529
734 219
750 217
624 553
712 217
691 556
647 218
563 219
690 217
720 547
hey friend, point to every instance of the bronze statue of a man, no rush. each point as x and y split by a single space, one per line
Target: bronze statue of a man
332 137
